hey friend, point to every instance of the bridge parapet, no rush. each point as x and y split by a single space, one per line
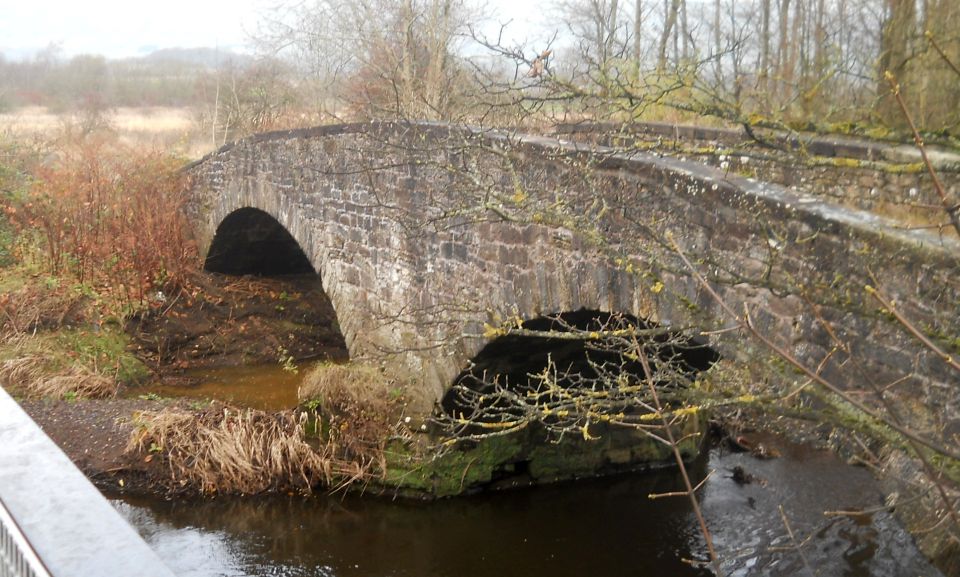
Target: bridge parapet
883 177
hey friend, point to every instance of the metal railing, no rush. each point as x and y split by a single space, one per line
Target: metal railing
53 521
17 557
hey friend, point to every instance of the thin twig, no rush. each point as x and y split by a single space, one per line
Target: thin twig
890 307
690 492
793 540
951 208
940 51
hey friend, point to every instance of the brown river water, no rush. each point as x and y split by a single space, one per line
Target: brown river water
601 527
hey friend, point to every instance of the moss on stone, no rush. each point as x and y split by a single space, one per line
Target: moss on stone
451 472
532 458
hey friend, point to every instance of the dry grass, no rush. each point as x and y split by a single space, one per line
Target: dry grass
166 127
361 410
31 377
33 308
34 361
227 450
36 306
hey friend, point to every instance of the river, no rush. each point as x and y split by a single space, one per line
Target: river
601 527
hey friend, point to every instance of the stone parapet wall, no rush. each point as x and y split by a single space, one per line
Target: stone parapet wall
886 178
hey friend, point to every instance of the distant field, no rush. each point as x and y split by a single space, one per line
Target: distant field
170 128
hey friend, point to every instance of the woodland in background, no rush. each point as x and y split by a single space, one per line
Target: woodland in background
798 64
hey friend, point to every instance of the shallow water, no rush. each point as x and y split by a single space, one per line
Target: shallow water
264 387
605 527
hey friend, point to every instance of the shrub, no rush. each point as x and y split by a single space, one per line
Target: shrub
360 409
111 217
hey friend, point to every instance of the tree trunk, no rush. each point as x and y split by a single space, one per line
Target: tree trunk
685 30
670 20
898 30
407 56
637 29
763 80
784 36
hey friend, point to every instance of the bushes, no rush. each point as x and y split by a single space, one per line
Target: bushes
110 217
361 409
86 237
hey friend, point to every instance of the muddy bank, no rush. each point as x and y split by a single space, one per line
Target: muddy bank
228 321
94 433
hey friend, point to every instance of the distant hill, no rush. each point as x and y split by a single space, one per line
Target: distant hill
202 57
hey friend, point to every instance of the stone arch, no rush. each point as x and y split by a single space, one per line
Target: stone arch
553 440
251 241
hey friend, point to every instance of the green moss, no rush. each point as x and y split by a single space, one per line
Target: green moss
878 132
949 342
569 459
452 472
103 350
949 467
846 162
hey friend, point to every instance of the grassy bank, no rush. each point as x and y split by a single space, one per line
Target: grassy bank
90 233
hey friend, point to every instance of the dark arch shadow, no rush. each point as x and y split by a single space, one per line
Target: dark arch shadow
250 241
577 419
510 360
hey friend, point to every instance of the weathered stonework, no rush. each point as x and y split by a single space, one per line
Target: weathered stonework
428 237
870 175
424 234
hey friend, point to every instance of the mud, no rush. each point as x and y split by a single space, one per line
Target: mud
224 321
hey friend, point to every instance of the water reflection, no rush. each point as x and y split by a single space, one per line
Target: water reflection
602 527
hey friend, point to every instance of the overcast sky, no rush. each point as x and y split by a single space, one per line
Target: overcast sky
120 28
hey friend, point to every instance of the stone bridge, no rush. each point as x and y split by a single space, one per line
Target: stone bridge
428 238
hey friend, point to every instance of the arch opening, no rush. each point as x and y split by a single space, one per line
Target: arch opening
250 241
285 314
567 396
571 350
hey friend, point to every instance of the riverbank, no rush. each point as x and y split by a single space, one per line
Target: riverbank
94 434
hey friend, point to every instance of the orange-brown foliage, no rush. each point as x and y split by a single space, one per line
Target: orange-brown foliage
111 217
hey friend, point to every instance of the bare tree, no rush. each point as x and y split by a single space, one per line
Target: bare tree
373 58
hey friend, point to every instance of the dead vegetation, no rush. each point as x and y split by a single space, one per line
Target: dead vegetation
227 450
337 440
26 368
109 218
37 306
31 377
360 410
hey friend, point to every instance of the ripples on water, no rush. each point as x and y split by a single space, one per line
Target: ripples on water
602 527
